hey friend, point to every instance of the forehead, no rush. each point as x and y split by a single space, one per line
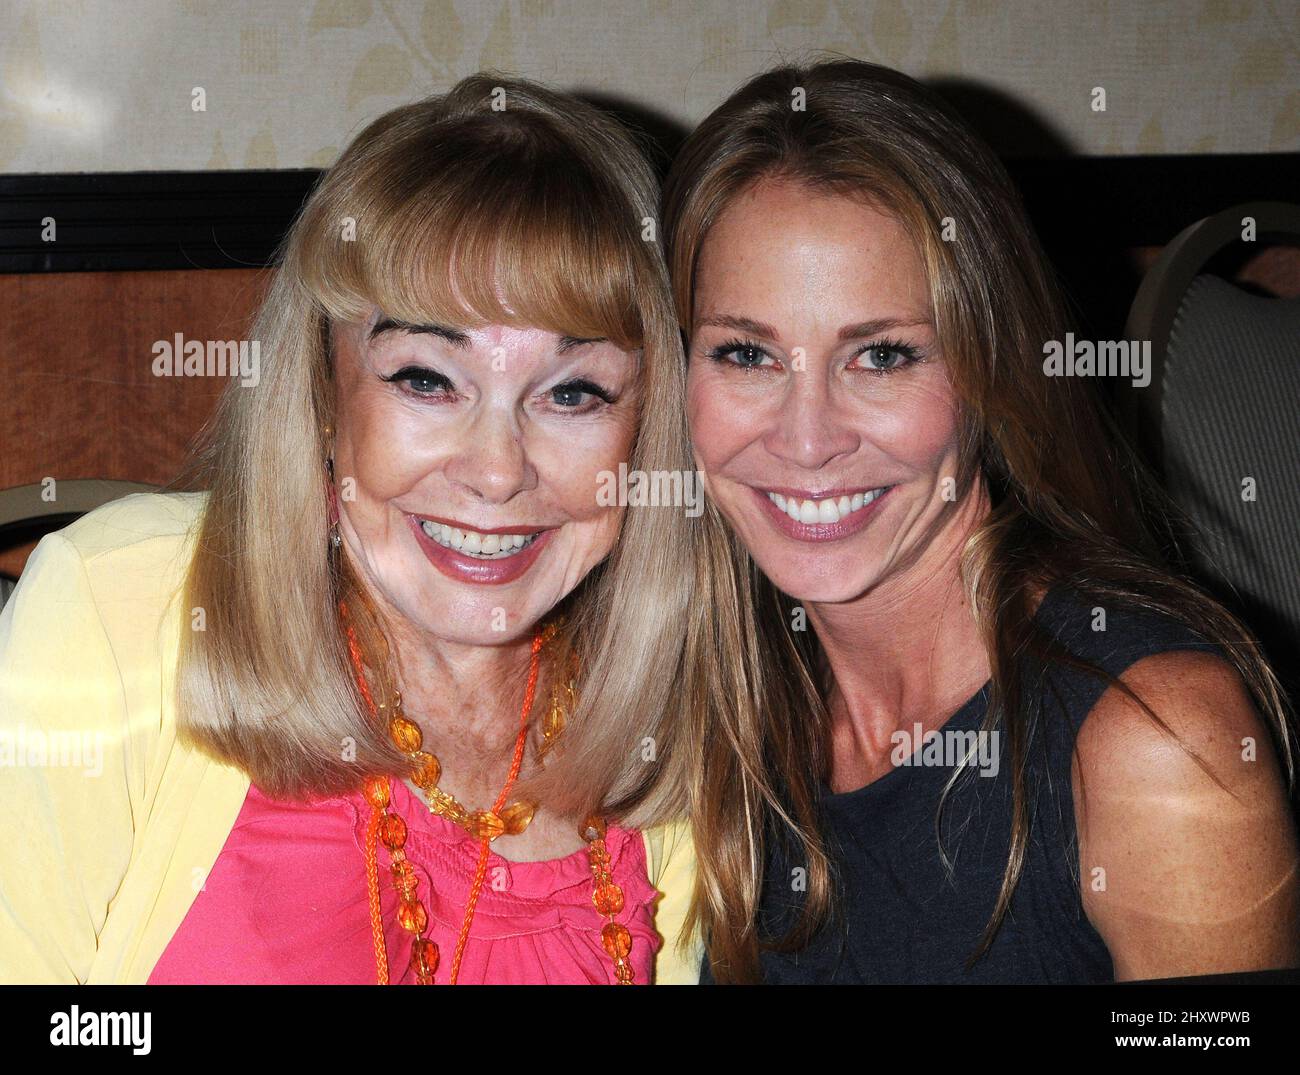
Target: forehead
784 246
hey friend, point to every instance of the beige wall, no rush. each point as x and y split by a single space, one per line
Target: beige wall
105 85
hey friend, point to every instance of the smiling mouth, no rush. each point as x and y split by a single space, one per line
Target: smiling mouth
475 544
826 510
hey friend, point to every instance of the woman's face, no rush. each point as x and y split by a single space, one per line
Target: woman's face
474 456
821 412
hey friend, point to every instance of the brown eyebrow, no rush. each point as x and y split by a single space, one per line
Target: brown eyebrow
459 339
849 332
389 324
568 343
740 324
878 325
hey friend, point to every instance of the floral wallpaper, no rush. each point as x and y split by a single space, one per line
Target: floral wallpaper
121 85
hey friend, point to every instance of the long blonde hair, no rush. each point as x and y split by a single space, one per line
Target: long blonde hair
499 202
1070 504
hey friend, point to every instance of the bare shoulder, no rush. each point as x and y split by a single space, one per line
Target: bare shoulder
1187 846
1206 713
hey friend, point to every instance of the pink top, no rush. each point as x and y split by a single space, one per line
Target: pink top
286 903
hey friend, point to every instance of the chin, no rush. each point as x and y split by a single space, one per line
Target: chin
819 588
472 622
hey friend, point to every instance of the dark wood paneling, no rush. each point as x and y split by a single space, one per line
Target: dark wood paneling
80 399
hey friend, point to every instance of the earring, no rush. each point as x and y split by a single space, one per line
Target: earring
332 510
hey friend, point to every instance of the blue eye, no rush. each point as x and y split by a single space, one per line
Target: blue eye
572 394
887 356
421 381
740 353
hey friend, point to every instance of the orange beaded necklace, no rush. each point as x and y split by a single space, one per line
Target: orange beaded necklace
388 828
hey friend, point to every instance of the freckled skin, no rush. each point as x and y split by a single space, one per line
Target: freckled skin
807 265
814 417
1201 877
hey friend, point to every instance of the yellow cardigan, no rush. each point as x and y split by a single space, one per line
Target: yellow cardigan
111 822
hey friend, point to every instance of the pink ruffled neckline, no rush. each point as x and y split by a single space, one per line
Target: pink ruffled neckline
458 853
286 901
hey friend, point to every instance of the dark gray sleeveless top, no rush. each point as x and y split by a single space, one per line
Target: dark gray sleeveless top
903 918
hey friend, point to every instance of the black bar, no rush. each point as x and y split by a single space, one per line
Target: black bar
236 219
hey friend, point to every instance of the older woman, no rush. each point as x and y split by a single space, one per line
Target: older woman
965 684
324 690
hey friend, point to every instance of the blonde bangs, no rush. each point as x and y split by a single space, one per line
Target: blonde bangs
445 211
508 230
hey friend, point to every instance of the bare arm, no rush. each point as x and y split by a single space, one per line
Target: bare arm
1181 876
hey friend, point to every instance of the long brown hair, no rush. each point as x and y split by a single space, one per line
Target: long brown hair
1070 503
501 201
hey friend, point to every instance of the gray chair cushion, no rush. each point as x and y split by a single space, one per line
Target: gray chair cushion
1230 410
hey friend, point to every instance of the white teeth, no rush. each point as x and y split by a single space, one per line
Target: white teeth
472 543
826 511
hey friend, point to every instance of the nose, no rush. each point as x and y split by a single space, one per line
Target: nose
807 428
491 463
